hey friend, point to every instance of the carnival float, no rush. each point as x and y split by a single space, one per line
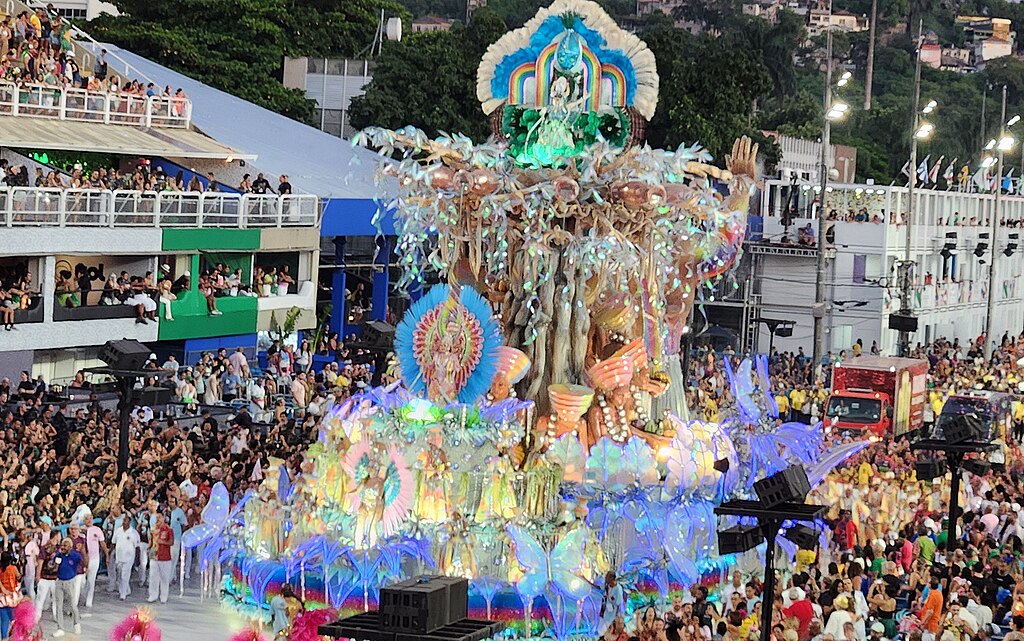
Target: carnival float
537 434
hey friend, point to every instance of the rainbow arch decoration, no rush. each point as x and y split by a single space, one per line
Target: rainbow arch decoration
618 70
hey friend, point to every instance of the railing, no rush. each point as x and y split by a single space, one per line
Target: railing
44 207
43 101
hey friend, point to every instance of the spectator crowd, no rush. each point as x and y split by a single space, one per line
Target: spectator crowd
68 515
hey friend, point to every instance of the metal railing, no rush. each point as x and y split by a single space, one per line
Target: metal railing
45 207
43 101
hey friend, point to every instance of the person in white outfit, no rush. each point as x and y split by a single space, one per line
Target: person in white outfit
31 552
47 576
125 542
161 567
95 543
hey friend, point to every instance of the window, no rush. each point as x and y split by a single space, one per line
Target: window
859 267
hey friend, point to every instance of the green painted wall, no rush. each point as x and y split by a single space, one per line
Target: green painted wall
210 238
192 321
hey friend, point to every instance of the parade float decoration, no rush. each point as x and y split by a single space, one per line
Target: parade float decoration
523 446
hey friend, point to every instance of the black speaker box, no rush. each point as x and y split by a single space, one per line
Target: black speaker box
791 484
124 354
903 323
423 604
966 427
739 538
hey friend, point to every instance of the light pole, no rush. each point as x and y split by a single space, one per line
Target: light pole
833 111
1002 145
917 131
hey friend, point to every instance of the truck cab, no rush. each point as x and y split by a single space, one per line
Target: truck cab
860 410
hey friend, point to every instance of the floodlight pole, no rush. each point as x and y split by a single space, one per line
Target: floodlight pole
994 234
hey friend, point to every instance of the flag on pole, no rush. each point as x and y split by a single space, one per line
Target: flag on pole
979 179
933 175
948 174
906 169
964 177
1007 182
922 170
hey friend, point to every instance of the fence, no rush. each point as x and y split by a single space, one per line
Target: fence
42 101
45 207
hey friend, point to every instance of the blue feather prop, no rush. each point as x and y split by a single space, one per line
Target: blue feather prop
479 381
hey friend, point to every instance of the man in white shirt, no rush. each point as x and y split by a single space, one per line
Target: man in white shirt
95 543
125 541
31 552
171 364
239 362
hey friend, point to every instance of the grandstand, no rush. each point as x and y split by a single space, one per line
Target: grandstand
108 189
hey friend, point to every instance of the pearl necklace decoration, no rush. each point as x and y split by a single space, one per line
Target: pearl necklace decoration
638 402
617 426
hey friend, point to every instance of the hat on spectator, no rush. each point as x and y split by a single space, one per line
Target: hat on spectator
165 267
70 53
877 627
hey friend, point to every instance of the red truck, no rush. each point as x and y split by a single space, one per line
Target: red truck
878 395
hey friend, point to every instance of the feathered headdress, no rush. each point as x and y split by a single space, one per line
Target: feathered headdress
248 634
137 626
306 624
23 626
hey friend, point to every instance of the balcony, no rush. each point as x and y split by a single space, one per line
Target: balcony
44 207
93 309
42 101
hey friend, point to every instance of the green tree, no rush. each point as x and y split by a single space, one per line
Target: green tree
401 93
707 92
238 45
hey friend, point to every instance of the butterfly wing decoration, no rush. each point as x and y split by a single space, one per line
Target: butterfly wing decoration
217 516
567 453
638 462
555 570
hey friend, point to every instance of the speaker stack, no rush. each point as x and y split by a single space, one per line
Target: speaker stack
423 605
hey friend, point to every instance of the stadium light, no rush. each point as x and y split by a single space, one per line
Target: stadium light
844 79
930 107
925 130
1013 121
1006 143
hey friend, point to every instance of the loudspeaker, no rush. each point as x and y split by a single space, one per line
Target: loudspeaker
977 466
424 604
789 485
376 335
965 427
153 396
124 354
929 469
903 323
804 537
739 538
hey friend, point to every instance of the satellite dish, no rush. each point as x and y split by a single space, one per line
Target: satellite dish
393 29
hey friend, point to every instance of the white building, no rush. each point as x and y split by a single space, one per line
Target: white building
332 83
801 159
865 240
83 9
